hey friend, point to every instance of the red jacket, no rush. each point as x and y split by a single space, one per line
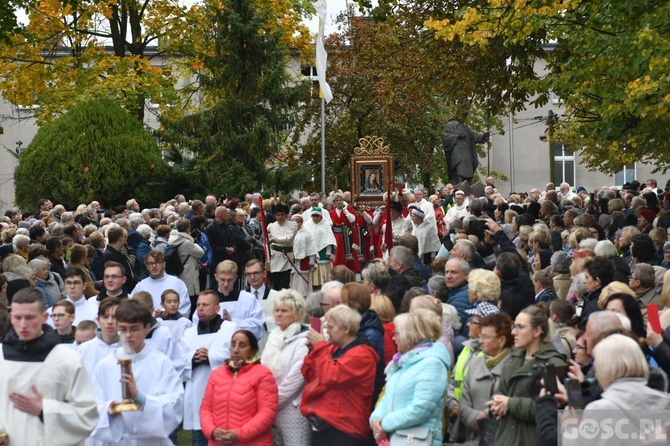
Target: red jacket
246 402
390 348
340 391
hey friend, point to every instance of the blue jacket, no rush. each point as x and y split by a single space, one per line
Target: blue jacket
415 393
203 242
143 248
461 301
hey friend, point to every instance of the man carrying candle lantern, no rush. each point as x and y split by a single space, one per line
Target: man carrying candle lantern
148 404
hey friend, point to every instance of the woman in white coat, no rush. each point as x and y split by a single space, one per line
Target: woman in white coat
283 355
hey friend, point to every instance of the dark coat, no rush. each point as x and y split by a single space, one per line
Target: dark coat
621 269
220 238
516 294
112 254
6 249
372 332
516 381
242 252
590 306
413 277
547 295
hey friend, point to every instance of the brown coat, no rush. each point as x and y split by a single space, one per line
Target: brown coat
562 284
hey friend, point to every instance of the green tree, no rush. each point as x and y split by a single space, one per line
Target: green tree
8 20
607 60
130 51
390 79
254 97
96 151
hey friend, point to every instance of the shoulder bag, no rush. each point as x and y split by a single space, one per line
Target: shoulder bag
415 435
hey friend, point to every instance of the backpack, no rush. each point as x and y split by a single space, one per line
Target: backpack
173 266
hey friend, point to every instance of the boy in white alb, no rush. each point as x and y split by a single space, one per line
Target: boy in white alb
152 382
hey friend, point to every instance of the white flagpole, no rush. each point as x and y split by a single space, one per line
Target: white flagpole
323 145
324 89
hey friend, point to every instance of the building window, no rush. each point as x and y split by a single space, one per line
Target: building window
627 174
309 72
564 164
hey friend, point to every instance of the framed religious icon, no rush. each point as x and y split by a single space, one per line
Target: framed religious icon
372 170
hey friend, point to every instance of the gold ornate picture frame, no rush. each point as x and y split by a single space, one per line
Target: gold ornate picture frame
372 167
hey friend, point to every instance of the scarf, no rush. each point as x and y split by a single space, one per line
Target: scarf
303 244
277 340
322 234
399 359
492 361
235 365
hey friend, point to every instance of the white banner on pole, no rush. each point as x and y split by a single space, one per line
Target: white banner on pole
321 55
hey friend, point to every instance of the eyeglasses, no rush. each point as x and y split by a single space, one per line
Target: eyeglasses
111 276
519 327
633 278
57 316
75 283
254 273
152 264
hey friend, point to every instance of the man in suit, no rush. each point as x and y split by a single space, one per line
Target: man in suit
255 273
264 294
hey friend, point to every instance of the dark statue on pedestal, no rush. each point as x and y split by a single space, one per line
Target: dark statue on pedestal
460 151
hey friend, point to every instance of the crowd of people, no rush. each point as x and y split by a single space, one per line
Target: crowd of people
434 317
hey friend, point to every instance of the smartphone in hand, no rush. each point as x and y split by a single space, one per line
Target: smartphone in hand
315 323
550 379
575 396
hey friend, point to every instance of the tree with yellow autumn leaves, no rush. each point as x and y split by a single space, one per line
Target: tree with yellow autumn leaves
608 60
129 51
158 51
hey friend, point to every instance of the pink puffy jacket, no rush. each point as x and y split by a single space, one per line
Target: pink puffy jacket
245 402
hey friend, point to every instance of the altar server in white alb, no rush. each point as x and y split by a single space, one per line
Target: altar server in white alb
106 339
46 396
238 306
75 284
170 316
210 332
159 280
304 254
152 382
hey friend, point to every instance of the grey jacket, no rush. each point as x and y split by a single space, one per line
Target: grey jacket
189 253
629 399
476 392
630 395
